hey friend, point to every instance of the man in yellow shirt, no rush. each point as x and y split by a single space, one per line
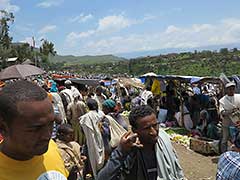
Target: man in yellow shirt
26 122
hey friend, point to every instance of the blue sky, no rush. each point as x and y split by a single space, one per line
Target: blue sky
96 27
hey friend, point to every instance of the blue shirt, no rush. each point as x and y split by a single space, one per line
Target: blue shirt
229 166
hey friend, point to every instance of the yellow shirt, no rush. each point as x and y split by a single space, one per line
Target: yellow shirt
156 88
46 166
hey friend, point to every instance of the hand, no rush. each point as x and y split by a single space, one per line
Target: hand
128 141
83 158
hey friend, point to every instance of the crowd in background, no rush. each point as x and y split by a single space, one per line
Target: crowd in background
90 120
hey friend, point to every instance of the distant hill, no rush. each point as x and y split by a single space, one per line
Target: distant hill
72 60
197 63
157 52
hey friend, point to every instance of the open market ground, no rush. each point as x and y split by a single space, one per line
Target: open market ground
195 165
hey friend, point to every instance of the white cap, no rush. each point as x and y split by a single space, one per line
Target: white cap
67 82
229 84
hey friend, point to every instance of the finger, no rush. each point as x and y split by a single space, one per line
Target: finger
83 158
132 138
127 134
137 145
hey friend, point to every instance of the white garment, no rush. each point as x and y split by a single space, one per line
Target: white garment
68 94
58 102
116 131
100 100
145 96
75 92
228 103
187 121
168 166
89 123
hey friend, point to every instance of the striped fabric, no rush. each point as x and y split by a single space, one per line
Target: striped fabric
229 166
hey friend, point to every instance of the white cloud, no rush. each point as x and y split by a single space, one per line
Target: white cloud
226 31
107 25
171 29
47 29
147 18
50 3
6 5
72 38
113 23
81 18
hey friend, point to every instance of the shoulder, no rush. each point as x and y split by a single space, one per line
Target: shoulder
163 134
222 99
75 144
237 95
230 157
229 165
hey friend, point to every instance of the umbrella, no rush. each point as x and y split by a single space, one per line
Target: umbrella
20 71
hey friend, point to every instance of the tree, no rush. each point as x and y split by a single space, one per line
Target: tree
23 51
235 50
224 51
46 50
6 18
5 40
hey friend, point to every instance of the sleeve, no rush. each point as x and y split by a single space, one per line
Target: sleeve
117 166
221 108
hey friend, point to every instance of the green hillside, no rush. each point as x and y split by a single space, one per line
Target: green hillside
203 63
73 60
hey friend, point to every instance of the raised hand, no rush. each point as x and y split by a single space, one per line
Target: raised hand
128 141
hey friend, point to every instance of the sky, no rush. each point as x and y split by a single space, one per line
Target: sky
98 27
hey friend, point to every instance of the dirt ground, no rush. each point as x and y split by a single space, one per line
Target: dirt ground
195 165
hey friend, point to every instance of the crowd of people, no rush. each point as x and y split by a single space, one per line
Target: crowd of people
64 131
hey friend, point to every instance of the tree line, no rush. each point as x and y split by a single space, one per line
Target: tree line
23 51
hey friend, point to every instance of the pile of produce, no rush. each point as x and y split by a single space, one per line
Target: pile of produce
179 136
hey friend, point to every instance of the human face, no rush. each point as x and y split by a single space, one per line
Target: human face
68 136
230 90
147 130
29 133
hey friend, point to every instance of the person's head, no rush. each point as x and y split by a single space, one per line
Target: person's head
102 83
144 122
26 120
108 106
84 91
230 88
92 104
204 115
99 90
65 133
68 84
76 97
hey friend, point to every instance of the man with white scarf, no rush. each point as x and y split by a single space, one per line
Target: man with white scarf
229 110
146 154
95 147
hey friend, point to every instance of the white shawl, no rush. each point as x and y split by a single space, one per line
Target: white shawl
89 123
